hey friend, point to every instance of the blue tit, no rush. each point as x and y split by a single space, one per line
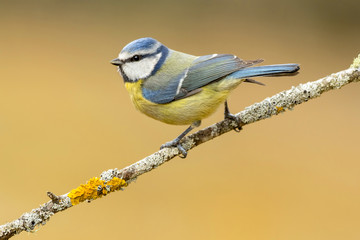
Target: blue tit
182 89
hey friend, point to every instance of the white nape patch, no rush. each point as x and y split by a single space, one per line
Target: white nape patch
126 55
141 69
181 82
214 55
234 57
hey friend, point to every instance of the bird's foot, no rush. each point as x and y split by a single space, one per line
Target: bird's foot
234 118
175 143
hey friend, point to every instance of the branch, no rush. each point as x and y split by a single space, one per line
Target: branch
114 179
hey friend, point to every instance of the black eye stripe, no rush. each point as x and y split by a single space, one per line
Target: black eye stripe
136 58
131 59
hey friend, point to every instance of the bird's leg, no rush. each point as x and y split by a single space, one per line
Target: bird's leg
176 141
230 116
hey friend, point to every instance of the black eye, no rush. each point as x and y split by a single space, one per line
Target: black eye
135 58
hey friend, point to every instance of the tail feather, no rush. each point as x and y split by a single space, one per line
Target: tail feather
269 70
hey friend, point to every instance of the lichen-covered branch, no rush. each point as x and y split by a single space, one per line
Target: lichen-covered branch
114 179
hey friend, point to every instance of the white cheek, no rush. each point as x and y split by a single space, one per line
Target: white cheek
142 68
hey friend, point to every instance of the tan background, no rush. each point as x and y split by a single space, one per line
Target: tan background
65 117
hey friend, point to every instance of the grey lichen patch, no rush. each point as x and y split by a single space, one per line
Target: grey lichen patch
356 63
11 228
31 220
214 131
233 124
64 203
148 163
189 144
127 173
109 174
255 112
36 217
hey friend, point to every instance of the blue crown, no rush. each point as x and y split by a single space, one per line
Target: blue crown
140 44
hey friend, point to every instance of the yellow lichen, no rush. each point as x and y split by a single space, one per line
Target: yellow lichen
356 63
94 189
279 109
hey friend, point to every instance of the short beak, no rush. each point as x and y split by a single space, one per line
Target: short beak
116 62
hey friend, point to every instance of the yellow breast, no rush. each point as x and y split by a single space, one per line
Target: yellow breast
184 111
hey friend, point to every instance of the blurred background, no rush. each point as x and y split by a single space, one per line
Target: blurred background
65 117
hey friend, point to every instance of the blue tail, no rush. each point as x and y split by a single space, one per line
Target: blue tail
269 70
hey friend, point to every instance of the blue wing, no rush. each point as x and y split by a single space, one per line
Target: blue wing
203 70
209 68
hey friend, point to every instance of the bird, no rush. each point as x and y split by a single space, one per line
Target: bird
182 89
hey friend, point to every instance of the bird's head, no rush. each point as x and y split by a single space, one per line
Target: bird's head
140 59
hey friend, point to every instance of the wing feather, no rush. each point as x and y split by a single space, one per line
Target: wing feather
210 68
